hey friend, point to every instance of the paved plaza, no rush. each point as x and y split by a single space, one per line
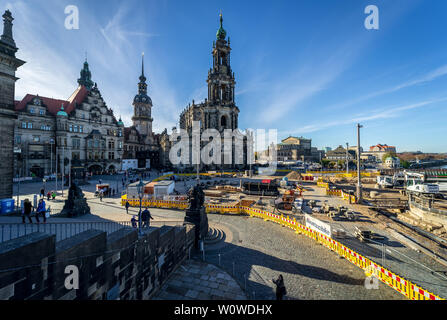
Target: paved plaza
195 280
253 252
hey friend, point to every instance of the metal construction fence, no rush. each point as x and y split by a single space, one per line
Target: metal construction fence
64 230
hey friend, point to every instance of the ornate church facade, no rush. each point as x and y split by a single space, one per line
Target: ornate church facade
219 110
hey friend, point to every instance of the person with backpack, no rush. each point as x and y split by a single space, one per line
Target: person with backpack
280 287
41 210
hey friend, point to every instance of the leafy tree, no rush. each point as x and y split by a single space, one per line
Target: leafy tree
405 164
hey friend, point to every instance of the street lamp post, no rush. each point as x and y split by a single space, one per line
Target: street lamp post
140 195
347 158
63 169
359 178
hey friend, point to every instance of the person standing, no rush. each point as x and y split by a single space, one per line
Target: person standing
41 210
27 208
48 196
42 192
280 287
100 195
127 207
145 217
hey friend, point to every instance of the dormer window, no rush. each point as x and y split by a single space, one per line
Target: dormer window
42 112
36 101
31 110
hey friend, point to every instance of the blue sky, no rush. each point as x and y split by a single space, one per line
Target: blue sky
305 68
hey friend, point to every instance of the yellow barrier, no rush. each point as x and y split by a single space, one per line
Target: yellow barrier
336 192
180 205
346 175
394 281
405 287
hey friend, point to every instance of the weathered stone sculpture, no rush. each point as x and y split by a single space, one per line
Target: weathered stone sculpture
195 213
76 204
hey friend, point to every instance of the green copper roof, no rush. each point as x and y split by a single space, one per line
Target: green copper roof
62 112
120 122
221 33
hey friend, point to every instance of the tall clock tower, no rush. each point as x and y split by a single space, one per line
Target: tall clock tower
142 103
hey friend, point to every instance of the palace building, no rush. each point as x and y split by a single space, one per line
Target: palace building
80 133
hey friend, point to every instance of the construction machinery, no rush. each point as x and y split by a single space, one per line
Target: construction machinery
387 181
287 200
415 183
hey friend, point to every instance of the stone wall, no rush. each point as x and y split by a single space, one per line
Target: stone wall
7 121
121 265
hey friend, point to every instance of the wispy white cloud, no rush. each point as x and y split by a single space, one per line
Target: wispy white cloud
378 114
114 49
425 78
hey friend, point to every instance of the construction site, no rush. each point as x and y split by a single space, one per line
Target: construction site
383 225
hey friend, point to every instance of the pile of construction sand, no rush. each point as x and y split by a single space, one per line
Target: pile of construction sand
293 175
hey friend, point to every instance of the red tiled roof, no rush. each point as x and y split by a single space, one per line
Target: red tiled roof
54 105
381 147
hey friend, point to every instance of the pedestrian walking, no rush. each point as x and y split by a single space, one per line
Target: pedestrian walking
127 207
41 210
42 192
145 217
53 195
100 195
48 195
280 287
27 208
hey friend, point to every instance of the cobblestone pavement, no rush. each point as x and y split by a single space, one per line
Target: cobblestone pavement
256 252
408 263
195 280
260 251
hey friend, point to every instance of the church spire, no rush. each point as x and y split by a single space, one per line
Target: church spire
142 64
221 33
142 86
86 76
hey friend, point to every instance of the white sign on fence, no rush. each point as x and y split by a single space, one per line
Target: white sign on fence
318 225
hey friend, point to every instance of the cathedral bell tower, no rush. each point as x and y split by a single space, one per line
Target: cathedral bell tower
221 81
142 103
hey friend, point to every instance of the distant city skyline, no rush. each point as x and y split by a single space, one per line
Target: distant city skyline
307 68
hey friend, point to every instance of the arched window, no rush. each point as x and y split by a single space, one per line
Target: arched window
223 122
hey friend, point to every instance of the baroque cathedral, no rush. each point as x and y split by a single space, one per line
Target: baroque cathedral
219 110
